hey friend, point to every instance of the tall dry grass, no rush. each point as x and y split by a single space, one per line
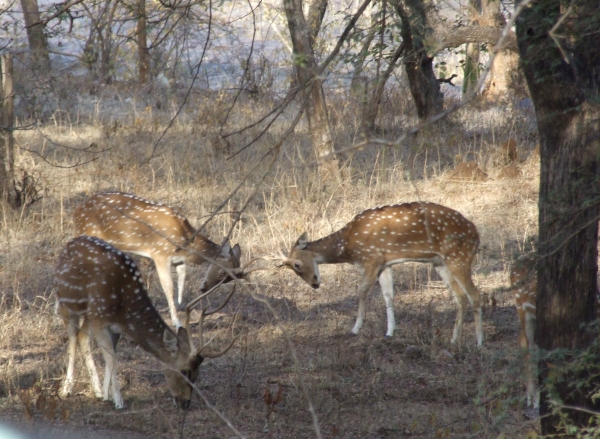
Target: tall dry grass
364 386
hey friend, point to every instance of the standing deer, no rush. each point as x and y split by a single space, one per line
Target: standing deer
100 293
380 237
523 280
154 230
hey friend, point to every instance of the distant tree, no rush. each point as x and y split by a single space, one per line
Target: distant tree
303 32
560 55
425 34
100 46
506 63
142 42
424 86
377 47
7 119
472 52
38 44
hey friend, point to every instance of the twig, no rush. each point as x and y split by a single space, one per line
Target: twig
555 36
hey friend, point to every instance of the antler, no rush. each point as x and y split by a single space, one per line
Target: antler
193 303
203 313
242 273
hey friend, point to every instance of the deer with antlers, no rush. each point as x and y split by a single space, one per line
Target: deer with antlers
154 230
100 293
383 236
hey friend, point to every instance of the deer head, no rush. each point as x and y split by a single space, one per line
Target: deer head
184 369
228 261
304 262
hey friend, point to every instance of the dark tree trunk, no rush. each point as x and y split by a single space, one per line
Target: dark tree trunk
38 44
143 55
564 82
423 84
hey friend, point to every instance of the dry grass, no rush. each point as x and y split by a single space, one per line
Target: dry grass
415 384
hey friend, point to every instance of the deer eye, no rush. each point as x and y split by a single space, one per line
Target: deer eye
297 266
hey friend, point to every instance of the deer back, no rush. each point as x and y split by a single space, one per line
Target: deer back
133 224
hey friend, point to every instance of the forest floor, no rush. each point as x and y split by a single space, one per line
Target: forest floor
415 384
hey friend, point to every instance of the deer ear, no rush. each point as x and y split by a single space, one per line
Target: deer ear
183 339
302 241
237 252
170 340
225 248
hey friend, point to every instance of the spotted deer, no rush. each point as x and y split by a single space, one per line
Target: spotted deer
523 280
100 293
156 231
383 236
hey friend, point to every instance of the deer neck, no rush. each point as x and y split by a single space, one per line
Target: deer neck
146 327
330 249
202 250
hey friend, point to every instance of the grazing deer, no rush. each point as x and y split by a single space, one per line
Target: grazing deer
154 230
383 236
523 280
100 293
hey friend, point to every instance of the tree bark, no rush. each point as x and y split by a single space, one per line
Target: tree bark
444 38
423 84
142 40
38 44
303 33
561 69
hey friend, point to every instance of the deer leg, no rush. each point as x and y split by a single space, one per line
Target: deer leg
386 281
84 338
105 339
163 268
465 284
72 324
533 394
459 296
366 282
181 271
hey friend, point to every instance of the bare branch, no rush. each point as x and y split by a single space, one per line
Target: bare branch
64 7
